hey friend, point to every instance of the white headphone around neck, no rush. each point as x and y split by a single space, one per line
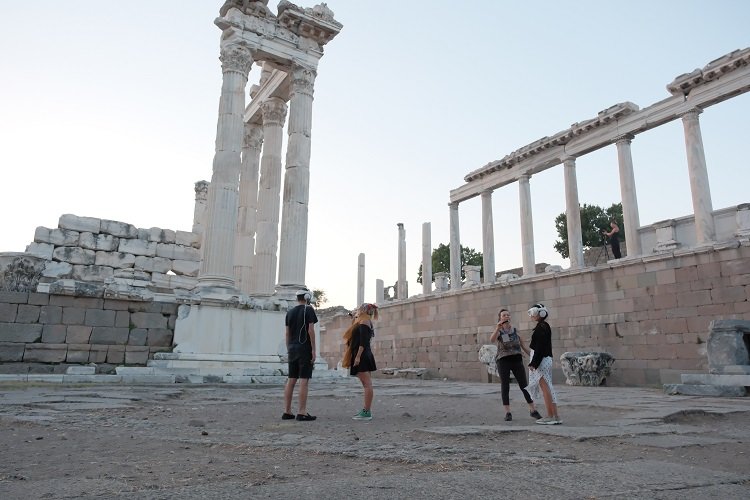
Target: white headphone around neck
539 309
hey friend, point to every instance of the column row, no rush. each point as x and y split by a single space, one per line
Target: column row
699 186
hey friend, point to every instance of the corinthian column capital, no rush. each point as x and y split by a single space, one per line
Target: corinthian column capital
253 136
237 59
274 111
303 80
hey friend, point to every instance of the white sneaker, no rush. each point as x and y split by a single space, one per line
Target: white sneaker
547 421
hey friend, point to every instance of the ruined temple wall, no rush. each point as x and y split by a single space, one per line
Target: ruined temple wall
651 313
56 330
94 250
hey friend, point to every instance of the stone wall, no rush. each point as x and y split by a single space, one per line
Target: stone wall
651 313
57 330
92 250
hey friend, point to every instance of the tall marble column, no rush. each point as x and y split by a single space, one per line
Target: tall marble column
696 159
379 291
527 225
217 266
361 279
628 194
267 239
455 247
401 291
488 238
293 244
426 258
247 219
573 214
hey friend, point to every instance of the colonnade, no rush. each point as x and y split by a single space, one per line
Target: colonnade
699 186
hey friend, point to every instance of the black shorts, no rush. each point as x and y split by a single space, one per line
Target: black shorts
300 364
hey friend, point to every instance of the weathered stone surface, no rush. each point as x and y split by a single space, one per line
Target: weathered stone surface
153 264
138 247
116 354
148 320
159 337
73 315
138 337
11 352
53 269
42 250
177 252
728 344
27 314
70 221
103 242
135 355
74 255
705 390
76 288
117 260
14 297
109 335
20 332
54 334
50 315
119 229
57 237
8 312
98 353
186 267
45 353
78 334
174 281
586 368
188 239
160 235
99 317
77 355
96 274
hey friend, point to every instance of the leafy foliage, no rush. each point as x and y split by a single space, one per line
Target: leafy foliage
441 260
319 298
594 219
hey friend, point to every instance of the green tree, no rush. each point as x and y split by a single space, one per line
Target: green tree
441 260
594 219
319 298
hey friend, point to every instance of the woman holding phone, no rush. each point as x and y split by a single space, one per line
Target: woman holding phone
509 359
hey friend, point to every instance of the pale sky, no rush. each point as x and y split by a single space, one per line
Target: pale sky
109 110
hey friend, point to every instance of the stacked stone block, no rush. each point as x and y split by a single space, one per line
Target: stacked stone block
43 328
96 250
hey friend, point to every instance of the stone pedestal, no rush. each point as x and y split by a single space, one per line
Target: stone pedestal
242 341
586 368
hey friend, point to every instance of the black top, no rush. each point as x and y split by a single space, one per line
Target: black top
298 319
361 337
541 343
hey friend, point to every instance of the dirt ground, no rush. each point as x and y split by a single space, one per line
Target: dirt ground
428 439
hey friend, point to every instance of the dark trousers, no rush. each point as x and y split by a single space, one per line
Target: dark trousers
505 366
615 244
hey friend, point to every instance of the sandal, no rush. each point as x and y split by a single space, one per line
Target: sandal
305 418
